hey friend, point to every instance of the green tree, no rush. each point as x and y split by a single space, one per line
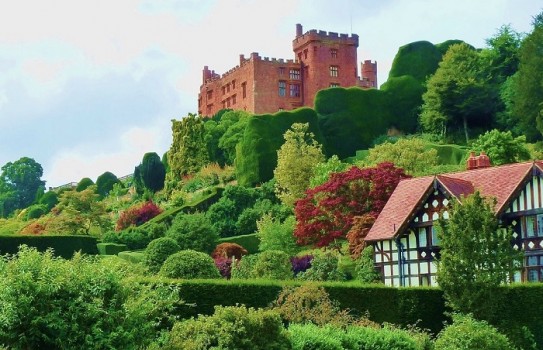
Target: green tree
322 171
527 94
20 181
105 183
459 95
188 152
276 235
83 184
150 174
296 160
233 123
411 154
78 213
501 147
476 255
193 231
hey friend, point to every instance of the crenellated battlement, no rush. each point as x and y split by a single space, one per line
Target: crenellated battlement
322 35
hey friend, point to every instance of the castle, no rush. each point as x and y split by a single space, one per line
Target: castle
263 85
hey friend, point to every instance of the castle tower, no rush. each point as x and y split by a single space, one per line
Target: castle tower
328 59
369 74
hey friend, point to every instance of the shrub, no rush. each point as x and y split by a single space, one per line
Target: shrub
49 199
137 215
228 250
83 184
52 303
301 263
310 336
324 267
193 231
249 242
272 264
467 333
158 251
189 264
34 228
224 265
233 327
243 268
105 182
364 269
35 211
277 235
310 303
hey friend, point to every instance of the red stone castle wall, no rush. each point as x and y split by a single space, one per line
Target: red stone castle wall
263 85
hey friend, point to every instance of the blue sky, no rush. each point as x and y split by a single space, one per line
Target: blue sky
90 86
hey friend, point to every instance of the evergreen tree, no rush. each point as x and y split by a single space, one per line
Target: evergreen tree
150 174
476 255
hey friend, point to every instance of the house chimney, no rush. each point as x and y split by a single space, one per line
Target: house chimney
299 30
471 163
483 161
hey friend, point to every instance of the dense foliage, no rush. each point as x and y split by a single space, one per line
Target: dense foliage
326 213
150 174
20 182
158 251
189 264
501 147
476 255
137 215
105 183
193 231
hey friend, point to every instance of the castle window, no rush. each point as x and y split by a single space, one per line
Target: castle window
333 71
333 53
228 102
233 99
209 94
281 70
282 88
244 89
294 74
294 90
233 84
305 54
228 87
334 85
223 90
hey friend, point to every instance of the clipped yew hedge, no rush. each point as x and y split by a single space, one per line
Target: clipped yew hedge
249 242
63 245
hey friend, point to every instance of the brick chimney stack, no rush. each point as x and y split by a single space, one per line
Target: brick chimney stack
477 162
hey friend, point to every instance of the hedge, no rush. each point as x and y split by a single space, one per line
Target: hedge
133 257
111 248
249 242
202 204
63 245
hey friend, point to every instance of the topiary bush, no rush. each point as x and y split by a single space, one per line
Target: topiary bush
228 250
83 184
466 333
105 182
193 231
232 327
35 211
189 264
158 251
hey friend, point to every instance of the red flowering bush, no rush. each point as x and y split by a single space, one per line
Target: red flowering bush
229 250
225 266
327 211
137 215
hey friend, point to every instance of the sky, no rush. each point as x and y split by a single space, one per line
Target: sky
91 86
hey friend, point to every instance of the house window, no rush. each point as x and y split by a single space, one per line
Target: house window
533 226
244 89
281 70
334 85
333 53
534 268
294 74
294 90
282 88
305 54
424 280
333 71
423 237
435 239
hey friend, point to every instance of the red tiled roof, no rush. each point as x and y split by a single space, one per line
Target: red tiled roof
501 182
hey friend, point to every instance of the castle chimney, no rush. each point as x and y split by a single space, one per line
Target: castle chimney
299 30
241 59
483 161
471 163
206 74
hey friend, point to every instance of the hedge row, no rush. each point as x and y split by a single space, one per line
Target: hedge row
202 204
249 242
516 306
111 248
63 246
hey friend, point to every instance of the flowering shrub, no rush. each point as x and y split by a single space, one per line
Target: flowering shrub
228 250
35 228
301 263
225 266
137 215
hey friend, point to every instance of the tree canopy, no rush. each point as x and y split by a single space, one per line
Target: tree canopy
20 182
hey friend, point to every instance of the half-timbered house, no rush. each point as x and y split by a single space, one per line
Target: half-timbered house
403 236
